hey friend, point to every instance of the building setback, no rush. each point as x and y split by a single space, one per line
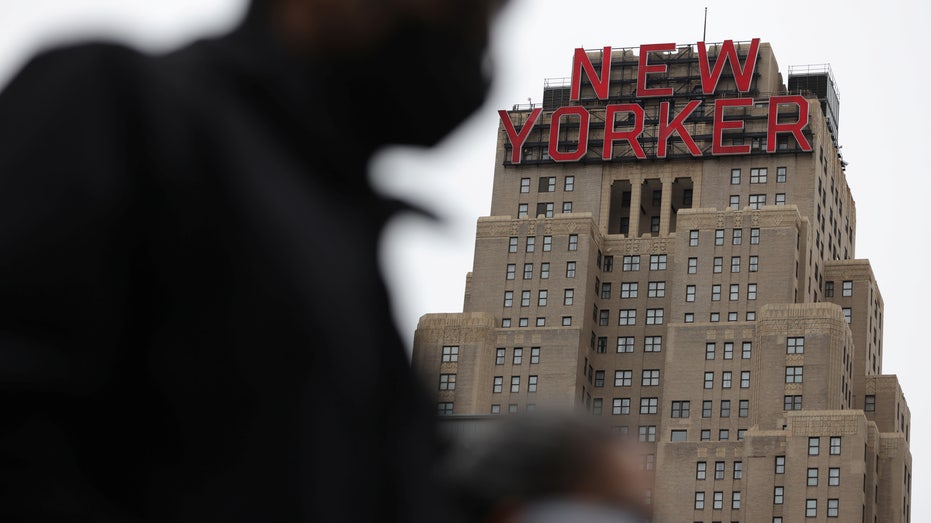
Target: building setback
709 304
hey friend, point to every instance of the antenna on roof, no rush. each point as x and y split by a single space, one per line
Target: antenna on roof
704 31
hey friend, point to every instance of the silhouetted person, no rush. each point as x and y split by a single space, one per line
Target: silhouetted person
192 322
548 468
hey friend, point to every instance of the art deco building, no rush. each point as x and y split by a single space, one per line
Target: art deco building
709 304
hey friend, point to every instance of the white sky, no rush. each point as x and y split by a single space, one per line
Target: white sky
874 48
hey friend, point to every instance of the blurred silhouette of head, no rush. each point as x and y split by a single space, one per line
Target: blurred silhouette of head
549 468
420 64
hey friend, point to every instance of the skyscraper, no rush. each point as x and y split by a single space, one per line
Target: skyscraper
671 245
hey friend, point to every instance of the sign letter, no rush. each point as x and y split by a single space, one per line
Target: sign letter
743 75
666 128
795 128
643 69
717 147
518 139
612 136
580 61
583 134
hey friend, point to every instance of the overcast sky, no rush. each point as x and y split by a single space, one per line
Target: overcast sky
874 48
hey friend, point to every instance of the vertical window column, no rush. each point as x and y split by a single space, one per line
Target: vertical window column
636 187
665 216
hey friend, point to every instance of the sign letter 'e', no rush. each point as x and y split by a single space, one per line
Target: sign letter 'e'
643 69
720 124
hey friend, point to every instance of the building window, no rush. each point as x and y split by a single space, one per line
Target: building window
725 411
496 408
715 317
547 184
735 263
795 345
631 263
744 409
567 321
780 198
780 175
620 406
718 265
653 344
515 383
547 243
450 354
545 271
746 350
542 297
724 434
719 236
649 378
608 263
734 201
693 266
706 409
657 262
709 380
623 378
709 351
525 298
654 224
566 207
833 507
706 435
447 382
716 292
751 292
525 185
811 508
735 500
726 378
627 317
647 433
629 290
602 344
567 297
569 184
518 357
745 379
835 445
606 291
869 403
812 477
511 270
512 408
780 465
649 405
505 323
444 409
678 435
654 316
814 446
718 502
755 234
693 238
512 244
599 378
531 243
794 374
603 317
834 476
778 495
499 356
532 382
829 289
656 289
625 343
735 177
792 402
522 210
534 355
754 264
738 470
570 269
731 316
689 317
545 208
680 409
728 350
699 501
847 289
848 313
573 242
689 293
734 293
758 175
498 384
